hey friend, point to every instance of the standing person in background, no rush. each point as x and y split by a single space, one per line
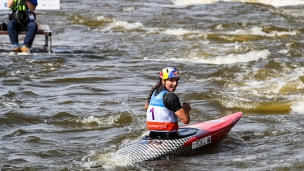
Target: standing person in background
22 17
164 108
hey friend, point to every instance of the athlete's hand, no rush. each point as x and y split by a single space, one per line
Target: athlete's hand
187 107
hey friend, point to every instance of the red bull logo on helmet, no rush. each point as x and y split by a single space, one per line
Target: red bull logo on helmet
174 74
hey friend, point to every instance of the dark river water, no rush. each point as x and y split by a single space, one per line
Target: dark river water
73 109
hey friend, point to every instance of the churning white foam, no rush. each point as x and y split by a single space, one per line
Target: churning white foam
235 58
281 86
275 3
105 161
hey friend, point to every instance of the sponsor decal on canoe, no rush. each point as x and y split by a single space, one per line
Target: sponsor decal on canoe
201 142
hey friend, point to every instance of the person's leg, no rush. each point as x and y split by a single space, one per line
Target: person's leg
13 27
31 28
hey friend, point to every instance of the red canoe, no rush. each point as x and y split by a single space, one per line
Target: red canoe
191 138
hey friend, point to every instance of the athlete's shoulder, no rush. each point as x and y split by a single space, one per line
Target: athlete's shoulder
171 101
170 96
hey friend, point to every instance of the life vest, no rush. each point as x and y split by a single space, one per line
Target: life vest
159 118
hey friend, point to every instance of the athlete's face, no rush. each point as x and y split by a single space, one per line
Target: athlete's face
171 84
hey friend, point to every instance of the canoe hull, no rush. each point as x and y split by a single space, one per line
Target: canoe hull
192 138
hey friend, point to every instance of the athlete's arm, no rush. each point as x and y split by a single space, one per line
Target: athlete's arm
146 105
171 102
183 113
10 3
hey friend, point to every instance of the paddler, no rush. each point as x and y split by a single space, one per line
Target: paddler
163 106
